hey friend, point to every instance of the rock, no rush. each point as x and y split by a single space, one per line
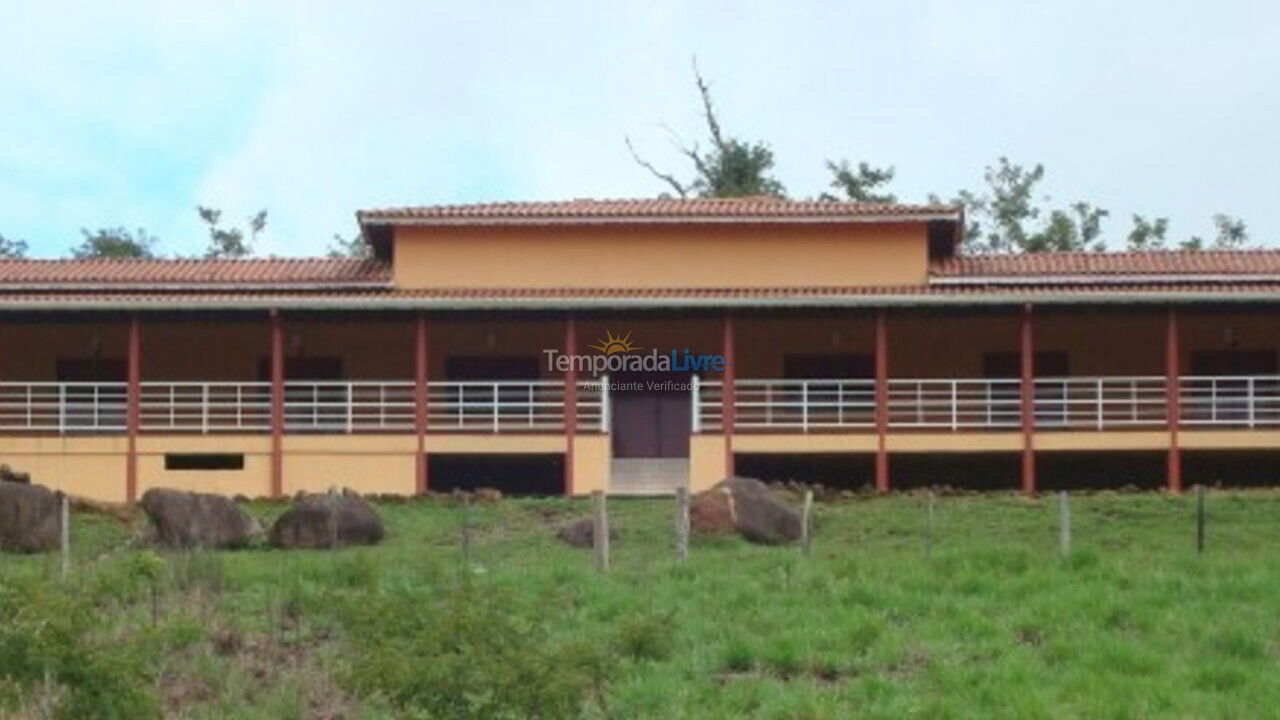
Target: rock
487 495
747 506
30 517
316 521
182 520
8 474
581 533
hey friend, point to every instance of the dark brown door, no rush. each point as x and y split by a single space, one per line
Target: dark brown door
652 420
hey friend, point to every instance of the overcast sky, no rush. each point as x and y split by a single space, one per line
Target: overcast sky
132 114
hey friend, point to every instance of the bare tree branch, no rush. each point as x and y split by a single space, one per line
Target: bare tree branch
665 177
708 110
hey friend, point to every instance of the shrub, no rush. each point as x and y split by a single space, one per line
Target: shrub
468 652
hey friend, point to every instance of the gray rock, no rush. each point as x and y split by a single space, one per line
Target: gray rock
30 517
317 521
747 506
182 520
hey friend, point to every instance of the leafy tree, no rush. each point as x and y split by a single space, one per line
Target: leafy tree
230 243
730 168
349 247
1007 217
12 247
1147 234
115 242
860 184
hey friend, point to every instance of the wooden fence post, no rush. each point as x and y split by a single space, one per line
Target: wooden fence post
682 524
64 534
806 532
928 525
600 531
1064 524
1200 518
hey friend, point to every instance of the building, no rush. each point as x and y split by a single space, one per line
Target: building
850 343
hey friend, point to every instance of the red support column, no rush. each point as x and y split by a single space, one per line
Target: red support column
570 401
1173 403
882 403
728 409
421 481
277 405
1027 356
133 409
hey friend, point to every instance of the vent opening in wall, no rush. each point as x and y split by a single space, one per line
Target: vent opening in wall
204 461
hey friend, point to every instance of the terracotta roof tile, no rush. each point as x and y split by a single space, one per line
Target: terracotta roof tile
151 273
653 209
1106 264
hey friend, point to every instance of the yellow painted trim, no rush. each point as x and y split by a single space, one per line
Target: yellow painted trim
1102 441
814 443
592 461
706 461
1228 439
448 443
960 442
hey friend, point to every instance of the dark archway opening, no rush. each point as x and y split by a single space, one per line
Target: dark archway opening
968 471
517 474
1071 470
845 470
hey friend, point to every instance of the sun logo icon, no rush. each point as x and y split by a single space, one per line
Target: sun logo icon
612 344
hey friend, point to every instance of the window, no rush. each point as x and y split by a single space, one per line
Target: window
204 461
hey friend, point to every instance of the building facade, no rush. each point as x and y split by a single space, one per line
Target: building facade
635 346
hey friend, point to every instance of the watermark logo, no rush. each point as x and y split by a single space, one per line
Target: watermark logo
618 353
612 344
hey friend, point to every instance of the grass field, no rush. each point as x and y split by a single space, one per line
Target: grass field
990 623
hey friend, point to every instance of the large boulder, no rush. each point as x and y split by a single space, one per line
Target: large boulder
182 520
320 521
30 517
745 506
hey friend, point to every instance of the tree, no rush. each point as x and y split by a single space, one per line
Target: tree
349 247
1147 234
860 184
731 168
116 242
12 248
1006 217
230 243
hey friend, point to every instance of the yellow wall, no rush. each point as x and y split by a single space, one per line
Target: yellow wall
668 256
592 456
706 461
91 467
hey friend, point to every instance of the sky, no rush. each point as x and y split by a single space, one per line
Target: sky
134 113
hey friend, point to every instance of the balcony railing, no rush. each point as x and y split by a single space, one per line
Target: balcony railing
1063 403
309 407
762 405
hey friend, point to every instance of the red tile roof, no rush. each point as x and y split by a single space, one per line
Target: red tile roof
760 208
196 273
1223 263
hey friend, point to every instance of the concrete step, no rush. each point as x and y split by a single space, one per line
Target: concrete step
648 476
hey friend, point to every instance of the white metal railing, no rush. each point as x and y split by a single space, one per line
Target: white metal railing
63 407
1241 401
309 406
955 403
1100 403
1068 403
804 404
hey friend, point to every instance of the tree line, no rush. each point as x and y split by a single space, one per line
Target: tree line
224 241
1007 214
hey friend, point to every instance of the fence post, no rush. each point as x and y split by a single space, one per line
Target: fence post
682 524
928 525
1200 518
806 515
600 530
1064 524
333 517
64 533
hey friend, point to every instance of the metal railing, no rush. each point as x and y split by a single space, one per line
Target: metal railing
309 407
1066 403
498 406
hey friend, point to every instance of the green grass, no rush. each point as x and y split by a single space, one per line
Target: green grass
990 623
